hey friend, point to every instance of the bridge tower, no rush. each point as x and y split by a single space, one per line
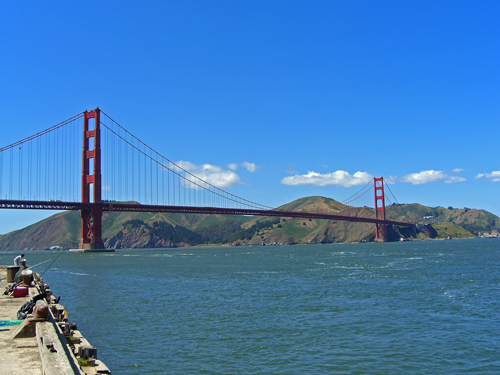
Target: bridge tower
91 183
380 229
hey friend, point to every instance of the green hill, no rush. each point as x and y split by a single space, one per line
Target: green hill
471 220
139 229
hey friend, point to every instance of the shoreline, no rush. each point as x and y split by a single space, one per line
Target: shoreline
72 250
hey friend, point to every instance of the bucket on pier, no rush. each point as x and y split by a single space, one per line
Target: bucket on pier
27 277
11 273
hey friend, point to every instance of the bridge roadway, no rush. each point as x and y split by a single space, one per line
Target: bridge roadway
136 207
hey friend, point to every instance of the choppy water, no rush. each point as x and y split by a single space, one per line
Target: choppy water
429 307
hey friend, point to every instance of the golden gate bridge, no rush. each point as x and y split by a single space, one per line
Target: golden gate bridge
43 171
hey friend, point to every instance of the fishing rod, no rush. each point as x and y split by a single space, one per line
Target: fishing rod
52 263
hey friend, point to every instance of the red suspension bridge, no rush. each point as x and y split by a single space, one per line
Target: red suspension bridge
42 172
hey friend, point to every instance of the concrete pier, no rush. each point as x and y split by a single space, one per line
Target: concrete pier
45 343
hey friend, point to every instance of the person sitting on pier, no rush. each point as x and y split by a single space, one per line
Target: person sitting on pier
17 260
18 278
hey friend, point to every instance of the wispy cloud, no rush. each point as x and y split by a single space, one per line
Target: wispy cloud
493 176
337 178
453 179
391 180
212 174
291 169
250 167
425 177
233 166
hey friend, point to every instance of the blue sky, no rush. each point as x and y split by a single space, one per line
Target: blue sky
282 99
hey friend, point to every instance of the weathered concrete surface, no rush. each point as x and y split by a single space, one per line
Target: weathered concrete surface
54 352
19 356
45 343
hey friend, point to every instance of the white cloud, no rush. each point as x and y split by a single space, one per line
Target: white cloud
233 166
212 174
425 177
493 176
337 178
458 170
250 167
453 179
391 180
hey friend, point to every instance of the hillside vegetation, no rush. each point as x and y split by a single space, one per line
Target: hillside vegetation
162 230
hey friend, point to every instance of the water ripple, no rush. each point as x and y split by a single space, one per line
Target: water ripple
420 307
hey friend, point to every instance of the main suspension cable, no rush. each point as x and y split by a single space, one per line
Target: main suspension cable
219 192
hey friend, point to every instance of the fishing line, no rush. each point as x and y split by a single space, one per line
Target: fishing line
52 263
45 261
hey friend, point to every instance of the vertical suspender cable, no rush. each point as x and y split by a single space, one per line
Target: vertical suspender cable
29 168
162 182
74 163
134 177
126 172
107 145
38 166
151 177
11 172
156 159
121 174
62 164
57 180
53 163
46 162
75 196
51 168
125 169
20 172
1 175
139 176
111 171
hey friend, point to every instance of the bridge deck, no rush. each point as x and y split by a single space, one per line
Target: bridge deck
135 207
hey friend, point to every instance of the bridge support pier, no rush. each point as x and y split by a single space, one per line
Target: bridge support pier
91 183
380 229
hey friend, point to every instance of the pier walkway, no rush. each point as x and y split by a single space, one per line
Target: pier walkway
19 356
45 342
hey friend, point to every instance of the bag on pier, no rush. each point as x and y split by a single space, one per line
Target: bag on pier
9 289
25 309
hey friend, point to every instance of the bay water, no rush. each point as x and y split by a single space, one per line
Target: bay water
422 307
